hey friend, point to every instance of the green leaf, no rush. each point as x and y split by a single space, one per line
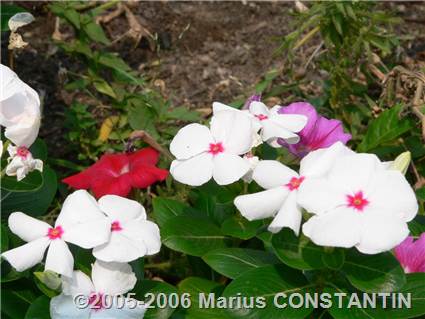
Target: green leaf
373 273
417 225
72 16
146 289
334 259
142 117
12 305
39 309
32 203
8 11
386 128
94 31
420 193
233 262
264 283
31 183
239 227
297 252
4 238
165 209
192 235
182 113
103 87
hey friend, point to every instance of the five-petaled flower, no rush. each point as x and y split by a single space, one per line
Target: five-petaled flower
80 222
361 203
280 199
411 254
103 294
202 152
21 162
132 236
319 132
19 109
117 174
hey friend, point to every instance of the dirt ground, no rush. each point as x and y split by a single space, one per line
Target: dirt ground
205 51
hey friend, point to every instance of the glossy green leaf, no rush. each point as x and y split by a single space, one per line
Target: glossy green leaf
39 309
165 209
103 87
334 259
233 262
239 227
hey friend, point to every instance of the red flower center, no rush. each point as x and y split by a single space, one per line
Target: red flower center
22 152
358 202
116 226
55 233
295 182
96 301
261 117
216 148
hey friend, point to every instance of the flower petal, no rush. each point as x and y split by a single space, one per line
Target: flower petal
28 255
63 307
234 130
272 130
143 176
288 216
191 140
292 122
258 108
88 234
340 228
26 227
194 171
59 258
145 232
262 204
127 308
270 174
120 185
145 156
113 278
229 168
381 233
120 208
79 283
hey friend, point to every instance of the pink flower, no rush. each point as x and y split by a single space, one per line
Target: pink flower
411 254
319 132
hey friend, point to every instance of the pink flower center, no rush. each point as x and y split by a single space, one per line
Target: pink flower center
55 233
116 226
216 148
295 182
358 202
261 117
96 301
22 152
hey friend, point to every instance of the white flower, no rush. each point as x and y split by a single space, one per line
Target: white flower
132 236
102 294
358 203
280 199
272 124
202 152
253 162
80 222
19 109
21 162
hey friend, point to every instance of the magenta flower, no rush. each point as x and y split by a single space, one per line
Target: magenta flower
252 98
411 254
319 132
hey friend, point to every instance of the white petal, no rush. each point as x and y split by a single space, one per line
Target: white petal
79 283
145 232
288 216
217 107
25 132
270 174
318 163
392 194
234 130
381 232
317 196
262 204
79 207
112 278
63 307
28 255
229 168
194 171
191 140
88 234
120 248
59 258
120 208
258 108
273 130
26 227
292 122
123 309
340 228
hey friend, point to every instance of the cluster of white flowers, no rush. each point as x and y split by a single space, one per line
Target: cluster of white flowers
355 199
115 228
20 114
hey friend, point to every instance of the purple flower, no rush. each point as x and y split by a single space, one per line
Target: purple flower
411 254
319 132
252 98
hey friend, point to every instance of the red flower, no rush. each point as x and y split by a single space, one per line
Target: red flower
117 174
